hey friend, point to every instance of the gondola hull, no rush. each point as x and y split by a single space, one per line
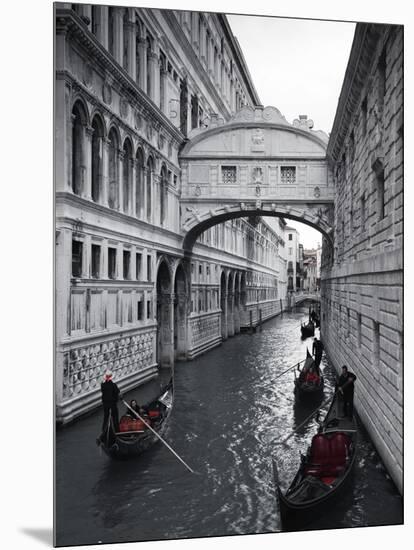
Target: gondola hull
324 471
127 445
307 330
309 392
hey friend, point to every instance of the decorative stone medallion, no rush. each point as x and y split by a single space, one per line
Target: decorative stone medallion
257 140
197 191
87 74
107 93
138 120
317 192
124 108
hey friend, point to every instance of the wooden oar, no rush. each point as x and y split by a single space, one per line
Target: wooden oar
304 422
290 368
159 437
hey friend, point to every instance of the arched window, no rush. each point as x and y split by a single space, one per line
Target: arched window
163 193
126 175
139 184
78 136
97 164
150 169
113 170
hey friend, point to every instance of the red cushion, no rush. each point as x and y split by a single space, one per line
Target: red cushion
320 449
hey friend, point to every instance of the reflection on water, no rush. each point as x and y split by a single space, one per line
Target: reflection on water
230 410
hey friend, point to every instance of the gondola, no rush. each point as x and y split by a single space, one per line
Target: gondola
307 329
134 437
309 384
323 473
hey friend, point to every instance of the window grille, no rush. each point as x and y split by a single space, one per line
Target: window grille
228 174
288 174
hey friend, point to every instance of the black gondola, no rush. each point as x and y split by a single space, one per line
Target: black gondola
309 384
131 443
323 472
307 329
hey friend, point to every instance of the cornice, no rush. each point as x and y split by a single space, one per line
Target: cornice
171 20
69 22
361 59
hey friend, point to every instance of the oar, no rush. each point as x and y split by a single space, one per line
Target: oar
304 422
290 368
159 437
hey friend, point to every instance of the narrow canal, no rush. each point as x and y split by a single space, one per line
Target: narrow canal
228 414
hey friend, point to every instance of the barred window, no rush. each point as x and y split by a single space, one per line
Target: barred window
228 174
288 174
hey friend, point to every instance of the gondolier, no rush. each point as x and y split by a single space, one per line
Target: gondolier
346 388
110 395
317 349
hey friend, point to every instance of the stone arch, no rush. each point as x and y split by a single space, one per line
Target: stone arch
197 222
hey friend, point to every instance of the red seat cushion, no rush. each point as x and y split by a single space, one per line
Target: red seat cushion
328 455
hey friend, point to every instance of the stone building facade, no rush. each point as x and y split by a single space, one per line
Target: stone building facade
131 84
361 291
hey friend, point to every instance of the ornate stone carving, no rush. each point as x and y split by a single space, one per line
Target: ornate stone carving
124 108
138 120
257 140
87 74
84 367
197 191
107 93
317 192
150 131
257 174
303 123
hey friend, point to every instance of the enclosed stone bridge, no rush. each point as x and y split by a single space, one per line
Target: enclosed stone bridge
257 164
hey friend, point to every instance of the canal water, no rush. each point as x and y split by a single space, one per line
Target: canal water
230 410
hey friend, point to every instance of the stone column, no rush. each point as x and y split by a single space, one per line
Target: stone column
131 55
104 259
155 77
120 180
119 262
87 159
132 205
118 35
224 330
144 266
102 25
142 51
164 86
85 10
105 172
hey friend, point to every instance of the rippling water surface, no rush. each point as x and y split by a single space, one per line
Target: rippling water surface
230 409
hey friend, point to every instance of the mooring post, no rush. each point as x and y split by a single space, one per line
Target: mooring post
251 321
260 319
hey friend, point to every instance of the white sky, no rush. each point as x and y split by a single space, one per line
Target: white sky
297 66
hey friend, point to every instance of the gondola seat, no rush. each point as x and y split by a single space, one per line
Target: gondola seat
328 455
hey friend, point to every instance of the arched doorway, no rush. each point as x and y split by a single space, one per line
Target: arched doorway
165 351
180 314
223 305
